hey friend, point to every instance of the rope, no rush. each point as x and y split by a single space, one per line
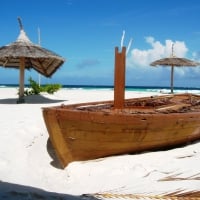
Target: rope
138 197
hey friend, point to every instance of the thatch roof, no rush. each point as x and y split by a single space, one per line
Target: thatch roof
42 60
175 61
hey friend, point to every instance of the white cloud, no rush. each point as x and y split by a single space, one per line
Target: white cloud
157 50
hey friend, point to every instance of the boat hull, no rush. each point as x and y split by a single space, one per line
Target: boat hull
79 135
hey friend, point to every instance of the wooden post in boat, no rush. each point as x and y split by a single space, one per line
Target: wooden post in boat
119 79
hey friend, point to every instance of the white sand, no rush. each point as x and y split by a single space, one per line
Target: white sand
24 159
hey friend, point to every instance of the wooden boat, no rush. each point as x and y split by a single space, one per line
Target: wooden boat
94 130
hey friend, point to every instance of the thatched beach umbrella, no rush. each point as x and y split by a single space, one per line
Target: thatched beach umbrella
174 61
23 54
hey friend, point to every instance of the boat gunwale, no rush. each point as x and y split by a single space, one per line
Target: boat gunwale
127 110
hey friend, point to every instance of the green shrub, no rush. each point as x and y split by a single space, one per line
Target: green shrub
51 88
35 88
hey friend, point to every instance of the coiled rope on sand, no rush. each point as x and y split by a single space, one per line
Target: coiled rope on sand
146 197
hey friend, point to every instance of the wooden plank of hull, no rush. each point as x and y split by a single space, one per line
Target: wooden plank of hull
78 135
57 138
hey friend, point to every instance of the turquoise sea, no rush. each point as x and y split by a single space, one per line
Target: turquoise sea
158 89
138 88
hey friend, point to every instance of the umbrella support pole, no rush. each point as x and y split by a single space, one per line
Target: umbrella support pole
20 100
21 81
119 80
172 79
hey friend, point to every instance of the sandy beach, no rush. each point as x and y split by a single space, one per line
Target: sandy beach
25 164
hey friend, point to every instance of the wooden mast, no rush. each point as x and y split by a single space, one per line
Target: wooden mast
119 79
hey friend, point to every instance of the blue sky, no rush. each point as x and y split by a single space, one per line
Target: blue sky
86 32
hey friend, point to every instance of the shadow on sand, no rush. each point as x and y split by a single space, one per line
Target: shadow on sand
51 151
11 191
32 99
